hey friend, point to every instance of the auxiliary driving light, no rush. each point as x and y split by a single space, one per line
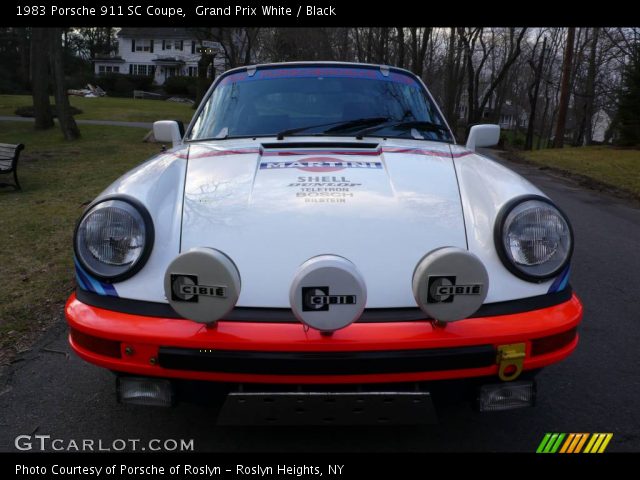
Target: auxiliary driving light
506 396
145 391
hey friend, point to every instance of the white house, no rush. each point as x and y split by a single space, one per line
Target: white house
157 52
600 123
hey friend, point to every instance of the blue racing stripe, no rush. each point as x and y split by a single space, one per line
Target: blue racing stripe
109 289
561 281
87 282
81 282
82 279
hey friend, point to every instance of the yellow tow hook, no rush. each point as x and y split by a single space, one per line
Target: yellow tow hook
510 359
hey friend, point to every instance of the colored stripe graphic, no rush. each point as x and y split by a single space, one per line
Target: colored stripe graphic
608 437
574 443
87 282
543 443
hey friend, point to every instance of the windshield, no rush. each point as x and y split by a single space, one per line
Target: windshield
309 99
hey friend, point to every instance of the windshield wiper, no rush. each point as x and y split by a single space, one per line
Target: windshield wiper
434 127
342 125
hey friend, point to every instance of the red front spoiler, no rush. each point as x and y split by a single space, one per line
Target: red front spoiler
139 338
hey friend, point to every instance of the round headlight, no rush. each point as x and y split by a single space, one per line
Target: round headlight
114 238
533 238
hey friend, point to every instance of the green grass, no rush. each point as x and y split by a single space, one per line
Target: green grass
108 108
518 141
58 178
619 168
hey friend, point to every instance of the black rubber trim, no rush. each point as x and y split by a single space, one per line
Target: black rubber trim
284 315
149 232
498 234
523 305
327 363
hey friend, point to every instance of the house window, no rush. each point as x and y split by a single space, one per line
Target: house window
142 45
141 70
193 71
178 44
108 69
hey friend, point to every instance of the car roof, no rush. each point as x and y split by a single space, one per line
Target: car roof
319 63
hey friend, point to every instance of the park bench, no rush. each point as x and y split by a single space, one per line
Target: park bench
9 155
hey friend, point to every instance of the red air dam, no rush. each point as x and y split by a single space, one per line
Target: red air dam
551 331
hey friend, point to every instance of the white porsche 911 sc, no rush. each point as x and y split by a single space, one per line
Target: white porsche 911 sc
317 229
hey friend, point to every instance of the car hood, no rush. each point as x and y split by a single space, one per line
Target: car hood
272 205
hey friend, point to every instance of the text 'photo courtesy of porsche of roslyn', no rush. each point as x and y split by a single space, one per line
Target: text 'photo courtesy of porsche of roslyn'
425 228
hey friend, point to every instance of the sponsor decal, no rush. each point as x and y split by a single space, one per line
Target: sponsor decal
322 188
443 289
574 442
319 165
185 288
318 299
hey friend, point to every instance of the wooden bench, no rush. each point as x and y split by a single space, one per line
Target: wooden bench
9 155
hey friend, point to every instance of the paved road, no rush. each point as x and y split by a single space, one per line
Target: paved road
596 390
114 123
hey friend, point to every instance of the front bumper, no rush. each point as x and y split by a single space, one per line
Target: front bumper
257 352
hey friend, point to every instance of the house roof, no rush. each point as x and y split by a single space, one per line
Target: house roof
106 59
155 33
168 60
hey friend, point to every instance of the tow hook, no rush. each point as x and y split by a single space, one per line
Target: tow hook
510 359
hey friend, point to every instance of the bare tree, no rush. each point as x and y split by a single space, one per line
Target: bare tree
558 141
534 90
401 47
471 38
40 79
590 87
63 109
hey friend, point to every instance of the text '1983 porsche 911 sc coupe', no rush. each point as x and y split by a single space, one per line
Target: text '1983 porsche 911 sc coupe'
316 236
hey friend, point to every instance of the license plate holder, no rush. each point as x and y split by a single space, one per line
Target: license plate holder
327 408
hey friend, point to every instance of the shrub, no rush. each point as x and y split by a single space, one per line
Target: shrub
120 85
181 86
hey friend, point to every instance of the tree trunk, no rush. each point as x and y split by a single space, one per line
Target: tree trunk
543 118
414 49
24 57
450 84
400 59
591 86
203 82
40 79
558 141
533 98
63 109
